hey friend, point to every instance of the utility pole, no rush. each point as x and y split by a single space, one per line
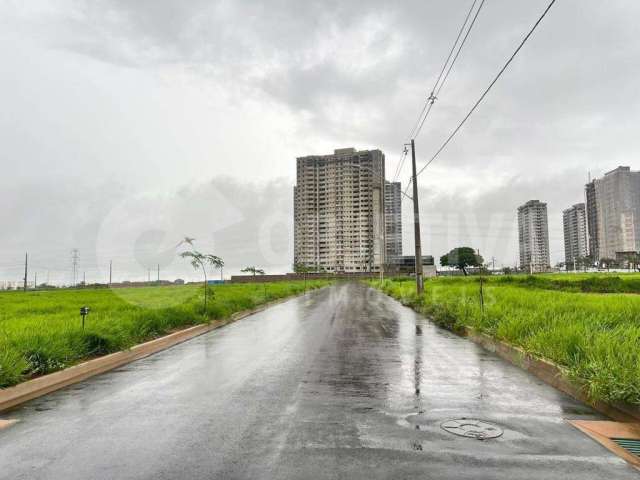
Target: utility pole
416 222
84 279
158 274
110 270
26 263
35 281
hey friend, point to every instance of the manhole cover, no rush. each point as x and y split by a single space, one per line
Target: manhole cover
472 428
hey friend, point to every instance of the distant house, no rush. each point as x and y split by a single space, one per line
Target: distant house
178 281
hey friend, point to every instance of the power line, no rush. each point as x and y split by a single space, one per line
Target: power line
437 86
435 95
484 94
400 162
444 80
426 109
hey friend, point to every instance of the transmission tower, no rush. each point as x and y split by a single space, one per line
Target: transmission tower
74 262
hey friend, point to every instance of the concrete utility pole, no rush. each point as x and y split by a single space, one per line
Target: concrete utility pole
416 222
158 273
110 270
26 262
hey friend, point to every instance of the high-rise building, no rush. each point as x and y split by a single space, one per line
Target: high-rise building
533 235
592 219
575 234
393 220
339 211
617 205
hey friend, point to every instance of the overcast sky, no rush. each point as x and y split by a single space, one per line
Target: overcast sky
125 125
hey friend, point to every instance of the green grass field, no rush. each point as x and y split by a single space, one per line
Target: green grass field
577 282
595 337
41 332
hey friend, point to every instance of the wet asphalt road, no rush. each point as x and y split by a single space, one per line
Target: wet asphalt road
344 383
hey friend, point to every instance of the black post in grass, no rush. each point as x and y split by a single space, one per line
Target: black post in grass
481 294
84 311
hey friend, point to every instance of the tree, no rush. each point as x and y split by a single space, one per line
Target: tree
253 270
584 262
301 268
607 263
200 261
461 258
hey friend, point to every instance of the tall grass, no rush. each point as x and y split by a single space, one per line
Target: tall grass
41 332
595 338
602 283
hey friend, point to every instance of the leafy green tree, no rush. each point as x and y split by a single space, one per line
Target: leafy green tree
607 263
199 261
300 268
304 268
253 270
461 258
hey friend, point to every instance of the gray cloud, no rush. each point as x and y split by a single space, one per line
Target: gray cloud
110 99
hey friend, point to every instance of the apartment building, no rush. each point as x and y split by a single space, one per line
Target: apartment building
615 214
339 211
533 236
592 219
575 234
393 220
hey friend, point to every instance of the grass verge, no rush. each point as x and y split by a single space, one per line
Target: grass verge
594 338
41 332
581 282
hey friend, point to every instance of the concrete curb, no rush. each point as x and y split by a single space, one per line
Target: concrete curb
25 391
551 374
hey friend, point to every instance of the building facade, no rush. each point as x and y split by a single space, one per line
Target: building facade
617 211
393 220
592 219
574 222
533 236
406 265
339 223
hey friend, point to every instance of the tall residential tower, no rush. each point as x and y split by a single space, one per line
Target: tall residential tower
533 235
617 212
393 220
575 234
339 211
592 219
